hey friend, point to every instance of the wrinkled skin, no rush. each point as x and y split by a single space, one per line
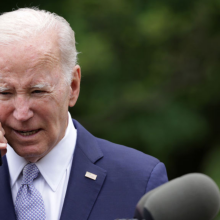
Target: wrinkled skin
34 97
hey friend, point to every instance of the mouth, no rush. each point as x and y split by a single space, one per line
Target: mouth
28 133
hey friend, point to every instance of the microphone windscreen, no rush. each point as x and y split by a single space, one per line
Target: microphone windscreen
191 197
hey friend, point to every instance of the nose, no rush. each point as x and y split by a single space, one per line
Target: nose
22 111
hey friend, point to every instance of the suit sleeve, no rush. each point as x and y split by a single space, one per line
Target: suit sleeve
158 177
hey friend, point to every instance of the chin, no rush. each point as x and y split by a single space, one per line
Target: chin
30 154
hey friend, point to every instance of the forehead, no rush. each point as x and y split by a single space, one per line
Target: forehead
31 62
30 53
34 58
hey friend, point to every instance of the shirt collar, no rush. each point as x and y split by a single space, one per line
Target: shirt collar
53 165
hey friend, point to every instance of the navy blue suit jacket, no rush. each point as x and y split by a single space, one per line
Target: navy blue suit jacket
123 176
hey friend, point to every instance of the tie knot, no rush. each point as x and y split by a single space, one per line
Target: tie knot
30 172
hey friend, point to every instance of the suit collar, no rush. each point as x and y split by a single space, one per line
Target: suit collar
82 192
6 202
87 142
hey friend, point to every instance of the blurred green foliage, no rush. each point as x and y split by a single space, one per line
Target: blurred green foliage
150 76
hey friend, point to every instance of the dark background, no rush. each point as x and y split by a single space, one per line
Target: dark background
150 76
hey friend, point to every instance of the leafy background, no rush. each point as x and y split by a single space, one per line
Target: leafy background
150 76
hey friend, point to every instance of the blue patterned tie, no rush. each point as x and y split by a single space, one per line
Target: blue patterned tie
29 203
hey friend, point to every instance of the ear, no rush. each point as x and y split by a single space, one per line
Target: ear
75 85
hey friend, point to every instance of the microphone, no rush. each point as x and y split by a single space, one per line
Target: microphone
190 197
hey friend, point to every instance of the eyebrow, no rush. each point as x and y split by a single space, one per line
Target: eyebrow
41 86
3 89
37 86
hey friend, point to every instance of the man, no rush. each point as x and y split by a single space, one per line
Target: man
71 174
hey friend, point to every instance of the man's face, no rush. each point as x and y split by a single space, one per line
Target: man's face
34 97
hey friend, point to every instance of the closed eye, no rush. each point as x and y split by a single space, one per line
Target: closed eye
38 91
5 93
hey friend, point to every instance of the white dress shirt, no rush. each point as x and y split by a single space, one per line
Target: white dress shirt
54 172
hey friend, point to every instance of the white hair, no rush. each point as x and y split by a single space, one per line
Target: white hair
21 24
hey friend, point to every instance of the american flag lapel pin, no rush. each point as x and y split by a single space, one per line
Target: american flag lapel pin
91 175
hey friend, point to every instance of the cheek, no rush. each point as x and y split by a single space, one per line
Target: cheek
44 106
5 110
47 112
60 102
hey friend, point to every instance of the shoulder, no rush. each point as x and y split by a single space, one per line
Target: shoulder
125 155
123 164
132 165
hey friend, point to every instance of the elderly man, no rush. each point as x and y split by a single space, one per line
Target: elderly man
54 168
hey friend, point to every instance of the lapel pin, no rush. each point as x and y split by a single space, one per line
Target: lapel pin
90 175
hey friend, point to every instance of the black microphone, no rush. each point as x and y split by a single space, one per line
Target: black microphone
190 197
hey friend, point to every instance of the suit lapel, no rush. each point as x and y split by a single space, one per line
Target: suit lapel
82 192
6 202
